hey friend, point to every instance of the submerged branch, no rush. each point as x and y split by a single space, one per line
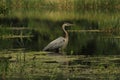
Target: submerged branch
85 31
18 28
16 36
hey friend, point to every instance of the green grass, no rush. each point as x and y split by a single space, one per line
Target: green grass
105 12
107 19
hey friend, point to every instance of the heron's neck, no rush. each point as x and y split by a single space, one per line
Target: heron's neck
66 33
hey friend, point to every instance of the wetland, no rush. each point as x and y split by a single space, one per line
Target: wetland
93 51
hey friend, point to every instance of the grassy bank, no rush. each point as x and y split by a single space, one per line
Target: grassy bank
10 5
103 11
61 4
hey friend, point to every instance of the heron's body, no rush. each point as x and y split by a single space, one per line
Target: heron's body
59 43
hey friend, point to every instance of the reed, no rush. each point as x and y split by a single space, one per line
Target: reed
8 6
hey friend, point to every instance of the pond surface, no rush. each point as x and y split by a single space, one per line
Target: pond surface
94 31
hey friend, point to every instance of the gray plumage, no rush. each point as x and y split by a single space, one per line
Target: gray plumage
55 44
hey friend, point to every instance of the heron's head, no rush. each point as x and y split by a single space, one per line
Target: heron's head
67 24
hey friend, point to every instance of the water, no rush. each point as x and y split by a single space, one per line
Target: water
46 28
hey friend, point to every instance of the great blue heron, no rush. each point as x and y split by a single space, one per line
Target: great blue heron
59 43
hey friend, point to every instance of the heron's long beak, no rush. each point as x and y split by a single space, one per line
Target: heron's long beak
71 24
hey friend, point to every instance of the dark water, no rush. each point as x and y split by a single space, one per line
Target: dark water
46 30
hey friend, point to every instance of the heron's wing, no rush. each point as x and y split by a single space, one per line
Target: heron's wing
57 43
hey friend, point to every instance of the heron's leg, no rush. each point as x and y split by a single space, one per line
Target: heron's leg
56 50
61 51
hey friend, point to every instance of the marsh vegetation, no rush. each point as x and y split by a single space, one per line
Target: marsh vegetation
41 66
27 26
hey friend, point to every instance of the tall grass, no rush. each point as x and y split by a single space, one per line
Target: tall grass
101 4
61 9
13 5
